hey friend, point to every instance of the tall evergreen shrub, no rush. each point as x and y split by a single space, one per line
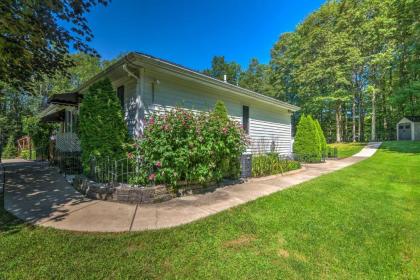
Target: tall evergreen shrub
307 145
10 150
220 111
103 132
230 166
323 141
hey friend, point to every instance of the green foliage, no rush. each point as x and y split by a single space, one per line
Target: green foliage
271 164
230 167
37 38
185 147
220 111
321 137
10 150
219 68
340 50
307 146
28 154
257 78
38 131
103 131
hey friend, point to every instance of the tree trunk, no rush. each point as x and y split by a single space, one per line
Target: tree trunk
338 122
385 134
373 126
361 119
353 116
346 127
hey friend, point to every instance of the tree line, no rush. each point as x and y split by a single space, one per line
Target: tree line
352 64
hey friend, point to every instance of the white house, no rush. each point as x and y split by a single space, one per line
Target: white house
145 84
408 128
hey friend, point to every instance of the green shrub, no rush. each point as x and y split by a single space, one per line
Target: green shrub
321 137
220 111
271 164
230 166
103 132
10 150
307 146
38 131
182 146
26 154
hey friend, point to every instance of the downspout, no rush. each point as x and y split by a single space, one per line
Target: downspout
140 106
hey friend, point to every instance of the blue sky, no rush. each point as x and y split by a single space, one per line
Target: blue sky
191 32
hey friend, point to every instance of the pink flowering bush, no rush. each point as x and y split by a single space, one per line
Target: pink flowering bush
182 146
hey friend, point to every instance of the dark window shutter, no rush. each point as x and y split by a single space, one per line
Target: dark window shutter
120 94
245 118
153 92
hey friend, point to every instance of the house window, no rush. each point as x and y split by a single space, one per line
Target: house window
120 94
401 127
407 126
245 118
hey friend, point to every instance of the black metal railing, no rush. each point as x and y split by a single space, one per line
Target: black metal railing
69 163
331 153
108 170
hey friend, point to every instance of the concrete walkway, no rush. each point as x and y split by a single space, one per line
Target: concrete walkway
39 195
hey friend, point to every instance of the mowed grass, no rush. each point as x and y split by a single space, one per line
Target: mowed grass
347 149
361 222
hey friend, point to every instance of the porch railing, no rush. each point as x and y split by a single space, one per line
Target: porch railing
67 142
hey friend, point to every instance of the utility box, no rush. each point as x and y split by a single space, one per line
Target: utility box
246 165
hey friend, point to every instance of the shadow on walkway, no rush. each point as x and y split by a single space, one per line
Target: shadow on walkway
34 191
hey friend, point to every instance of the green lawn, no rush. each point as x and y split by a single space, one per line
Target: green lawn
362 222
347 149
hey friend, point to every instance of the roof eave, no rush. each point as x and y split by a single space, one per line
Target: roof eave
132 57
209 80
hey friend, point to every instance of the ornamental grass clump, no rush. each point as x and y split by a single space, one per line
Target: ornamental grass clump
182 147
271 164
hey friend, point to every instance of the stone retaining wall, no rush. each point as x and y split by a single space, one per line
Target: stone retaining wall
137 194
122 192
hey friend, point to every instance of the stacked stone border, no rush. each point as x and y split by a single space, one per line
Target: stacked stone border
126 193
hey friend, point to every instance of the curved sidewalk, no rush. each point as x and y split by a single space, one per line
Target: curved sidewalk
39 195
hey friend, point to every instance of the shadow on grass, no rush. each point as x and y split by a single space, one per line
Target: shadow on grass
408 147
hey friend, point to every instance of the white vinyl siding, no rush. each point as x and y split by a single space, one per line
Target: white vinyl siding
267 124
269 131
